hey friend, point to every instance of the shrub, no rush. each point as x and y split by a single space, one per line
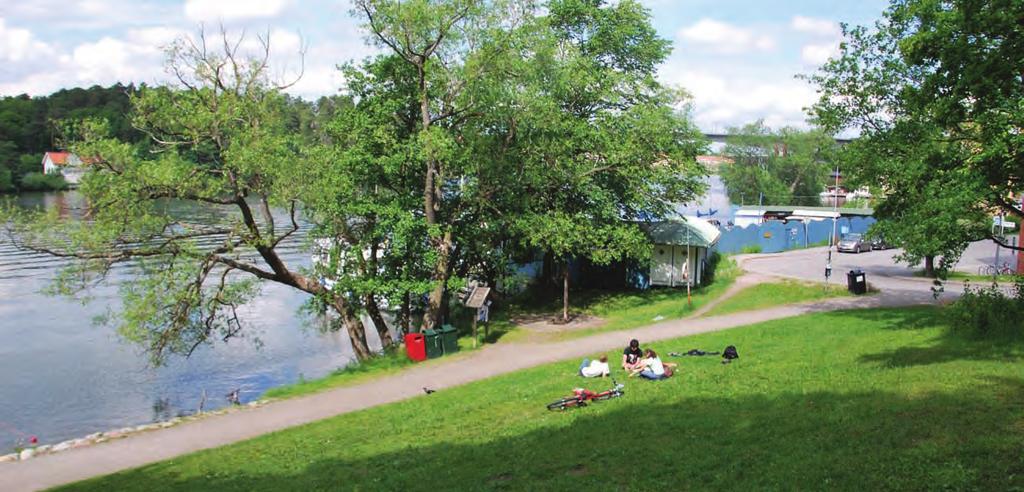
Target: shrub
6 184
990 311
43 182
751 249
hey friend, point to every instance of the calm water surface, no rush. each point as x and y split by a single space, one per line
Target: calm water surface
63 377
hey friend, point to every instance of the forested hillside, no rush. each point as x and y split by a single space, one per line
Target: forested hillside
29 125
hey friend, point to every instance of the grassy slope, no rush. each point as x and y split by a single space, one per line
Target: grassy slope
775 294
622 310
861 400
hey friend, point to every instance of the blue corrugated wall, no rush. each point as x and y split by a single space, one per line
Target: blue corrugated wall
775 236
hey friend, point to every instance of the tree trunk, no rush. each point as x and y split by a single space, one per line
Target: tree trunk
432 317
929 266
356 330
386 341
1020 254
405 318
565 293
548 276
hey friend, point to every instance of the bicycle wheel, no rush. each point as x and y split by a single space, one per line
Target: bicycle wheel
565 403
609 395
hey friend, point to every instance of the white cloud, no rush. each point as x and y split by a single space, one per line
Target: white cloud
133 58
212 10
155 37
817 54
818 27
18 44
725 38
722 101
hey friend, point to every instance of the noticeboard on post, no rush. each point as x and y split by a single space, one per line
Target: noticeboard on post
477 297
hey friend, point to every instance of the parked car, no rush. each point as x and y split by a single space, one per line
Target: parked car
878 242
853 243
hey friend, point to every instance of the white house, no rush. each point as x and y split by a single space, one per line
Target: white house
65 164
680 250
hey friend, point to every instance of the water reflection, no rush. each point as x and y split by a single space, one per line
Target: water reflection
64 377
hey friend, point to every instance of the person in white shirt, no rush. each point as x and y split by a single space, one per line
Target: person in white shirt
595 369
651 367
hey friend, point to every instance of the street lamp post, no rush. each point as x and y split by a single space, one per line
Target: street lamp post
835 224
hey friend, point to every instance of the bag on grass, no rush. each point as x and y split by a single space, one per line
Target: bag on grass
730 353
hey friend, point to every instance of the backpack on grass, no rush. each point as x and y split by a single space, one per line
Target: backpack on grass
730 353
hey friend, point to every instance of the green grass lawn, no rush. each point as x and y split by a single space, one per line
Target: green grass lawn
625 310
353 374
858 400
974 277
763 296
622 310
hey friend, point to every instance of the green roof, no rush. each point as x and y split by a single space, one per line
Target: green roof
856 212
686 231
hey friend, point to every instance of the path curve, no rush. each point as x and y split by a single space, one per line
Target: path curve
219 430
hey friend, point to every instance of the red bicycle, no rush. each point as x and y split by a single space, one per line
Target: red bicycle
581 396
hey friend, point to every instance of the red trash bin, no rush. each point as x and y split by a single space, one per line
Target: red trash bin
416 346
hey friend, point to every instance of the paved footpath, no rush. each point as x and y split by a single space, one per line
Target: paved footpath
149 447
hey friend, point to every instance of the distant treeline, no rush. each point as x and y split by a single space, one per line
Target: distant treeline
30 126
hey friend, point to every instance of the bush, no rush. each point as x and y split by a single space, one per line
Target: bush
719 266
990 311
751 249
6 184
43 182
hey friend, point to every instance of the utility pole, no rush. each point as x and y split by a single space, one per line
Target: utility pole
689 299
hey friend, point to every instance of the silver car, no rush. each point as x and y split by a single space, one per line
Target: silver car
853 243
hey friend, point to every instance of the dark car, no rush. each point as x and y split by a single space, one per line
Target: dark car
853 243
878 242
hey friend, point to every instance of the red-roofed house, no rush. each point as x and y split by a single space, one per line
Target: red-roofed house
65 164
713 162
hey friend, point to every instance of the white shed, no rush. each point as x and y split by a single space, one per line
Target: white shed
681 249
65 164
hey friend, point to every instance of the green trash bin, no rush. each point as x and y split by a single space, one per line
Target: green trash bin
449 339
433 341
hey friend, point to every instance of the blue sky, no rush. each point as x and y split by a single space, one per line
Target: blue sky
737 57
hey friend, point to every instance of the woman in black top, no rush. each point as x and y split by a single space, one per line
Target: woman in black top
632 356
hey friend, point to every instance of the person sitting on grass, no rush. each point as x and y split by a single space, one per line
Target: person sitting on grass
595 369
651 367
632 356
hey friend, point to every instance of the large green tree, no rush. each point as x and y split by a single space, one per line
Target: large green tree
934 90
776 167
604 146
220 139
454 50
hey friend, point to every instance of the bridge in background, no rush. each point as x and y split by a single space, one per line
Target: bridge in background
721 138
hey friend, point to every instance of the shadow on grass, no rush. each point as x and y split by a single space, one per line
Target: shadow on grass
915 318
815 441
948 346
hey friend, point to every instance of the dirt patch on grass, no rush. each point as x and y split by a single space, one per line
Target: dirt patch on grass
550 323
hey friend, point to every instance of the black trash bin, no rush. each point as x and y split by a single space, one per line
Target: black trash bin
856 282
432 340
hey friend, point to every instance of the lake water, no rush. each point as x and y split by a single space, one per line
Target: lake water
63 377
